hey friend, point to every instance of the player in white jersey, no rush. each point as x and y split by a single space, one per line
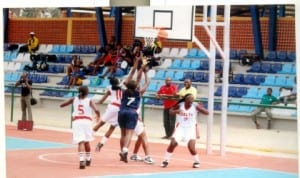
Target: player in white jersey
186 113
82 124
114 92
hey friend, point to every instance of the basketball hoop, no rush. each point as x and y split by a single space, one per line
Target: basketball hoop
152 33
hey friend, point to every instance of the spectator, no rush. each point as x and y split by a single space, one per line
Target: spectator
77 74
188 88
267 99
288 95
166 91
99 60
32 44
25 96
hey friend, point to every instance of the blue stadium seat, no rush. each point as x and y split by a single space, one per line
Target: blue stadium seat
68 58
159 75
242 52
232 91
152 87
179 75
238 79
249 79
63 49
275 92
92 49
195 64
76 49
205 77
52 69
104 83
265 68
170 74
84 49
94 81
7 55
218 66
276 67
192 53
60 59
233 54
55 49
244 109
281 56
7 76
241 91
280 81
176 64
271 56
252 92
290 82
261 92
70 49
269 80
201 54
204 65
291 56
259 79
60 69
217 106
189 75
255 67
186 64
286 69
198 76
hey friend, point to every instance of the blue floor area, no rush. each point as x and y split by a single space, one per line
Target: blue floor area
13 143
220 173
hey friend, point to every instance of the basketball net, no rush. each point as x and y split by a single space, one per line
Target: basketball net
151 34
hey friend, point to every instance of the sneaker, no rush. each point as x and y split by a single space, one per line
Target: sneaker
82 165
164 163
135 158
123 157
99 146
149 160
88 162
196 165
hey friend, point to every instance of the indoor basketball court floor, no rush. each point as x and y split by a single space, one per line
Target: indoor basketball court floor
49 153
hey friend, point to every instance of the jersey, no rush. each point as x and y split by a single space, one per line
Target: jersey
115 96
82 109
187 117
130 102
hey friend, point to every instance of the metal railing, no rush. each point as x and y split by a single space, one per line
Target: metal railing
74 91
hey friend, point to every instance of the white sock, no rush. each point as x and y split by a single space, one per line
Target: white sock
196 158
81 156
88 156
104 139
168 156
124 149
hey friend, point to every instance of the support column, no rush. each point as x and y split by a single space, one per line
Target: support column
272 28
5 24
101 27
256 31
118 24
69 12
282 11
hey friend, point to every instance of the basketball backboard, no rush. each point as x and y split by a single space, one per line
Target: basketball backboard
176 21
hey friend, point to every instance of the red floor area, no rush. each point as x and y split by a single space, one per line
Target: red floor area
63 163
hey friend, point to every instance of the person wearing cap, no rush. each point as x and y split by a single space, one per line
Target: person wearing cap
32 44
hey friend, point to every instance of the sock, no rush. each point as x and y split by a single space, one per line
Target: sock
103 140
88 156
196 158
168 156
81 156
124 149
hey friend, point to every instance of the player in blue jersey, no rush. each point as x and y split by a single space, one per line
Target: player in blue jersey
130 102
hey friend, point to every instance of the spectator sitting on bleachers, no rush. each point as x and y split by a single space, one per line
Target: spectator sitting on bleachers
119 67
71 66
32 44
99 60
77 74
288 95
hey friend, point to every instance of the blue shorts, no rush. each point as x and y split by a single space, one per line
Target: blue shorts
127 118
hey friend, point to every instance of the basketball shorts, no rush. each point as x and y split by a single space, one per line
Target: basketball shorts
184 134
110 115
82 131
127 118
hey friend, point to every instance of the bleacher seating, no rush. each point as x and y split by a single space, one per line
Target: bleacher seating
287 68
165 52
265 68
195 64
269 80
160 75
255 67
179 75
183 52
271 56
233 54
204 65
174 52
186 64
276 67
201 55
291 56
176 64
238 79
281 56
192 53
252 92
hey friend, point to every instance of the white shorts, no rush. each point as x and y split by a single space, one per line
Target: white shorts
184 133
82 131
139 128
111 115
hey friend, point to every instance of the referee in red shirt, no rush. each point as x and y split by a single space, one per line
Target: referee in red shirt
165 91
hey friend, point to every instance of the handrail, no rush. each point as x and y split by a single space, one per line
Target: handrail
230 101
